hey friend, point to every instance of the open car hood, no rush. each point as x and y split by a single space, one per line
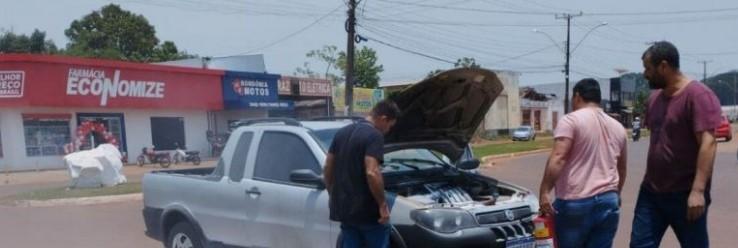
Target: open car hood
443 112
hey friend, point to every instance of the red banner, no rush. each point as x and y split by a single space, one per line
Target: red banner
51 81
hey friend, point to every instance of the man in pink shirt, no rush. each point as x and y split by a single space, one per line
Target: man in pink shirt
587 167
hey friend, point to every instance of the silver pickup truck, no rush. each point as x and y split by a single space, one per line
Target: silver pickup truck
267 189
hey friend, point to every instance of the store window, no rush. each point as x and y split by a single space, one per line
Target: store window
113 123
166 132
46 135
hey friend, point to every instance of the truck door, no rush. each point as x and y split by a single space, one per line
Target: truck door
282 213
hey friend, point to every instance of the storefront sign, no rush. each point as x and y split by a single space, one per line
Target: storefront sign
94 82
308 86
58 81
364 99
252 90
285 86
315 87
11 84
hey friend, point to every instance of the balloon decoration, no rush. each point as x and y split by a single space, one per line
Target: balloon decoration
84 129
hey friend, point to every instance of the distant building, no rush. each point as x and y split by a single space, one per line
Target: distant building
545 114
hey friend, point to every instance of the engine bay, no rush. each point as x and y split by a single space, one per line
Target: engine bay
457 189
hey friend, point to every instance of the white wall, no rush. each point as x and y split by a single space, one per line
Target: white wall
137 128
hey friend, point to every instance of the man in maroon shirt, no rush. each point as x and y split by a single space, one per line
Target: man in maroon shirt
682 115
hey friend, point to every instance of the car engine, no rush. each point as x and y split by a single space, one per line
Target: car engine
452 192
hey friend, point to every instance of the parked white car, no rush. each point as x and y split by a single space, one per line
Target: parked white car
267 191
526 133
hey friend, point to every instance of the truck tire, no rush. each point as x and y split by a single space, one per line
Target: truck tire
196 160
183 235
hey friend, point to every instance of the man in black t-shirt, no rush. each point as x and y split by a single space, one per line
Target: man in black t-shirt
353 178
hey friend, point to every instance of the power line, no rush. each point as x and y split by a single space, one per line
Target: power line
411 51
469 9
229 9
467 24
525 54
294 33
450 43
695 19
650 13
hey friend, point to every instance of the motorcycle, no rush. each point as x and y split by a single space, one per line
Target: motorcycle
181 155
162 158
636 134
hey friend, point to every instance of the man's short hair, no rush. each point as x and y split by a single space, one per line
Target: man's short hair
589 90
662 51
387 108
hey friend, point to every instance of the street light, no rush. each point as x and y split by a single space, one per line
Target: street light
568 55
535 30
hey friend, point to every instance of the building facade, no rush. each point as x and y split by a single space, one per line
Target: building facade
52 105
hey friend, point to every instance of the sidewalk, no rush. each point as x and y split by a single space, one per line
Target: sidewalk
133 173
503 141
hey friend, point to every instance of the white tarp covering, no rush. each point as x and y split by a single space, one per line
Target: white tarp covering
98 167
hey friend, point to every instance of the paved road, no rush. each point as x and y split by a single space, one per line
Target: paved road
110 225
121 224
527 172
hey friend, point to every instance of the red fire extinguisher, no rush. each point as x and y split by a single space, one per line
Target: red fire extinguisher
544 232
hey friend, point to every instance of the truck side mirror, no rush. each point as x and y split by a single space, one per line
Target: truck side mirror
469 164
306 176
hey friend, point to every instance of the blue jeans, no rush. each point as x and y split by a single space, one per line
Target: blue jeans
365 236
655 212
589 222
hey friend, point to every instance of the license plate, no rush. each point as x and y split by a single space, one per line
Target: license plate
528 242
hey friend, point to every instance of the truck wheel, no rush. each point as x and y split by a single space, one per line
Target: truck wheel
196 160
183 235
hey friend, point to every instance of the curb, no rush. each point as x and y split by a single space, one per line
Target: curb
81 201
487 160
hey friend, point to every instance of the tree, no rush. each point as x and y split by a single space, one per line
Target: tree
464 62
168 51
366 69
725 86
640 93
327 55
639 105
36 43
114 33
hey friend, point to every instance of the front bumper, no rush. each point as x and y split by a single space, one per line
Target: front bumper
481 237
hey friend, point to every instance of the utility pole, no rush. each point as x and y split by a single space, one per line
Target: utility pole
568 18
351 29
704 70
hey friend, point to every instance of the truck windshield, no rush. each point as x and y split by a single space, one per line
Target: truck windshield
325 137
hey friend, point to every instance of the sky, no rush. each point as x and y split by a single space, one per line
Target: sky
414 37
